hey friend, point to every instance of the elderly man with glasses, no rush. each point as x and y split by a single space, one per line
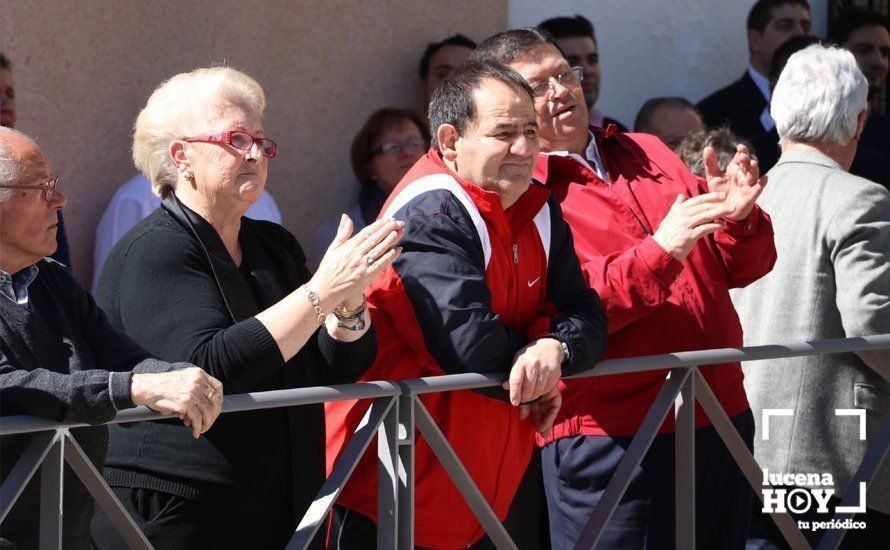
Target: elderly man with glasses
661 248
59 357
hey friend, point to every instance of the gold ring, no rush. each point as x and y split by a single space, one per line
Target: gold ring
211 394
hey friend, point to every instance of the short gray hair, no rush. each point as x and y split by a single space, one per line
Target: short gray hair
10 167
183 106
819 96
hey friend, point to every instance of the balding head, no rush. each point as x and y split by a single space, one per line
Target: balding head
17 152
28 216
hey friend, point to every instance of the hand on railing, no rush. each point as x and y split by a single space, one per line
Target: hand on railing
192 394
535 373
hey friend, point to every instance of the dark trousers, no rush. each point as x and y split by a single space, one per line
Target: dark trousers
212 522
351 530
764 535
578 469
168 521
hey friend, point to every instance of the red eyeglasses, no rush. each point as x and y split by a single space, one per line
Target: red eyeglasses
239 140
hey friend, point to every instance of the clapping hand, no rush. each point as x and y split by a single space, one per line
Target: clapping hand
689 220
741 183
350 264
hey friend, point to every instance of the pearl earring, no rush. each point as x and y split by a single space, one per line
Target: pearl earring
189 175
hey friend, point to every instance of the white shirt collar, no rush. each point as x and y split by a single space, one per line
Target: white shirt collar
593 160
762 83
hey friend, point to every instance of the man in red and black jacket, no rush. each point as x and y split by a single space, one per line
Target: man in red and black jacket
487 281
662 248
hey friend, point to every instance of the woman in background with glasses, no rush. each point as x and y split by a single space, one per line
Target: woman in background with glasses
382 152
196 281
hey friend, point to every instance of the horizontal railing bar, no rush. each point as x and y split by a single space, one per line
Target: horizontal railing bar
471 381
735 355
320 394
233 403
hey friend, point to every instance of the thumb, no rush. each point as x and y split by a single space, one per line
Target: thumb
344 231
709 158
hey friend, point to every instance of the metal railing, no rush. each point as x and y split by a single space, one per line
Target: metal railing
397 412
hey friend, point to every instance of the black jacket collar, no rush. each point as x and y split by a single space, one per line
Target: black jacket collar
232 286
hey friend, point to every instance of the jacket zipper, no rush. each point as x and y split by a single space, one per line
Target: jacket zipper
515 253
639 221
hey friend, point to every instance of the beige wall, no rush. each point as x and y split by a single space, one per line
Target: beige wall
84 69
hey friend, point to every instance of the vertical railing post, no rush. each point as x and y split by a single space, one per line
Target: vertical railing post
52 486
405 498
388 479
105 498
20 474
684 467
633 457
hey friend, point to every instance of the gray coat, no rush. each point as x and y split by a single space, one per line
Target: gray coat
832 280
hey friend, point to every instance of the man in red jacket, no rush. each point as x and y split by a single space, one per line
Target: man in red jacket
661 248
487 281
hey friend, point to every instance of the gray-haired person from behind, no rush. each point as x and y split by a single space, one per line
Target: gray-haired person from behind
832 280
59 356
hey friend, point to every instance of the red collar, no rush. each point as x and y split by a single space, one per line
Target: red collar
488 202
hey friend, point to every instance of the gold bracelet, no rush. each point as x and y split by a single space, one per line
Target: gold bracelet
316 305
344 313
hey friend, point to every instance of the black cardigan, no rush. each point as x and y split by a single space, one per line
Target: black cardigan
61 359
184 299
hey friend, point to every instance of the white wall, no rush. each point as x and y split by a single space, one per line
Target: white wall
651 48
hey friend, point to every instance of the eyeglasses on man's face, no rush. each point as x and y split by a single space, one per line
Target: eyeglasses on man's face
395 148
566 79
49 188
239 140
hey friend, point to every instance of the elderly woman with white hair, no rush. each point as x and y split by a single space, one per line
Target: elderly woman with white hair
198 282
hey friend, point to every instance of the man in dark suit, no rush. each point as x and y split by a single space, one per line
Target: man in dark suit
744 104
866 34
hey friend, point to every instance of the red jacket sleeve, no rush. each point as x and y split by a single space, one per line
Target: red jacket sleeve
632 284
747 248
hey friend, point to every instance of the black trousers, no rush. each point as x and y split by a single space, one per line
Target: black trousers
211 522
578 469
350 530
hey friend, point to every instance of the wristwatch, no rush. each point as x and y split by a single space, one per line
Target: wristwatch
566 352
